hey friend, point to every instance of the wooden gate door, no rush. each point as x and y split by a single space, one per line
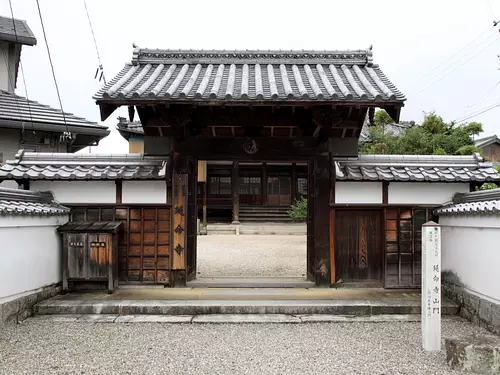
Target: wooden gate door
358 255
279 191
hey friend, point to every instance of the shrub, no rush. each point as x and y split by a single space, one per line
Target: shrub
298 210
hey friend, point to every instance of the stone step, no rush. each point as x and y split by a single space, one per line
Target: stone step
203 307
226 318
252 282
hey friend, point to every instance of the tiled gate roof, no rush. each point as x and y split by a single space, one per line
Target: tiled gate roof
252 76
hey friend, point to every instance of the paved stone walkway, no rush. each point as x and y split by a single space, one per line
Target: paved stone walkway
38 347
251 255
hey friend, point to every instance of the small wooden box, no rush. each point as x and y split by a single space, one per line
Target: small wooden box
90 252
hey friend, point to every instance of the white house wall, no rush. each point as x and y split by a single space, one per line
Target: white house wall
424 192
30 253
78 191
358 192
470 250
144 192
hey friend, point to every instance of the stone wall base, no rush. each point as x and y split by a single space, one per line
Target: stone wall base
477 310
18 309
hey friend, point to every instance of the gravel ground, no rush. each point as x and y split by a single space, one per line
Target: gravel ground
251 255
37 347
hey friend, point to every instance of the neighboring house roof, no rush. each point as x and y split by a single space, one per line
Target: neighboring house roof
23 202
478 202
396 129
251 76
432 168
61 166
21 34
18 112
129 128
486 141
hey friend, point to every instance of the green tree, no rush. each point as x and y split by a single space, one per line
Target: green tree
433 137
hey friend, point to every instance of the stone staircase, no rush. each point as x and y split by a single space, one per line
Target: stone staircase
263 214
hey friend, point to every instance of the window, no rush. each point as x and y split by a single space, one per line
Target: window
250 185
219 185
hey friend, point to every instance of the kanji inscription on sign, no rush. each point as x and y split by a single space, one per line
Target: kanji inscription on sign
431 286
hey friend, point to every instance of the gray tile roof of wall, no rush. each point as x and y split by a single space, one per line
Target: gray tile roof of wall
22 202
246 76
431 168
61 166
16 112
478 202
8 33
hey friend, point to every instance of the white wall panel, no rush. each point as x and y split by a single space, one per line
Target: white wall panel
78 191
144 191
358 192
424 192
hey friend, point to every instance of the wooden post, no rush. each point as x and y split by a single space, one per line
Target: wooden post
119 189
204 192
235 185
179 227
320 200
294 182
264 185
333 178
431 286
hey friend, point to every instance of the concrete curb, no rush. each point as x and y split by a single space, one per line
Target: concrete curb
225 318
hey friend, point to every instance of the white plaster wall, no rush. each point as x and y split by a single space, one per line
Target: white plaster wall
144 191
471 250
9 142
358 192
424 192
78 191
30 253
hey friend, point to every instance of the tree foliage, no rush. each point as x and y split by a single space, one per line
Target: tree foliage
298 210
432 137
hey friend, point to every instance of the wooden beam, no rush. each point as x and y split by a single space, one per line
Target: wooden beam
385 192
119 190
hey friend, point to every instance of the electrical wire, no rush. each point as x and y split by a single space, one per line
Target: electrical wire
22 73
456 53
95 44
477 113
52 65
458 67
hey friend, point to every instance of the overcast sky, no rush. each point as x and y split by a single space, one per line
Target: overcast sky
410 39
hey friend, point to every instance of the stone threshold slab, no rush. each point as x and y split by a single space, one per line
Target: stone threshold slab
203 307
225 318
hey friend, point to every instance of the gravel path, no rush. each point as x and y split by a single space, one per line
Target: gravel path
251 255
37 347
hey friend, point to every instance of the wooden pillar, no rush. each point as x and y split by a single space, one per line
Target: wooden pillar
333 179
235 186
204 193
294 182
119 189
179 180
320 202
264 184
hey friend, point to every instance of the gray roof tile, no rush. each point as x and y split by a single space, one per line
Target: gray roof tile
251 76
17 31
416 168
22 202
60 166
16 111
478 202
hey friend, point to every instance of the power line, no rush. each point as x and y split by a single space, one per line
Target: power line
22 73
458 67
456 53
481 111
52 66
100 68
